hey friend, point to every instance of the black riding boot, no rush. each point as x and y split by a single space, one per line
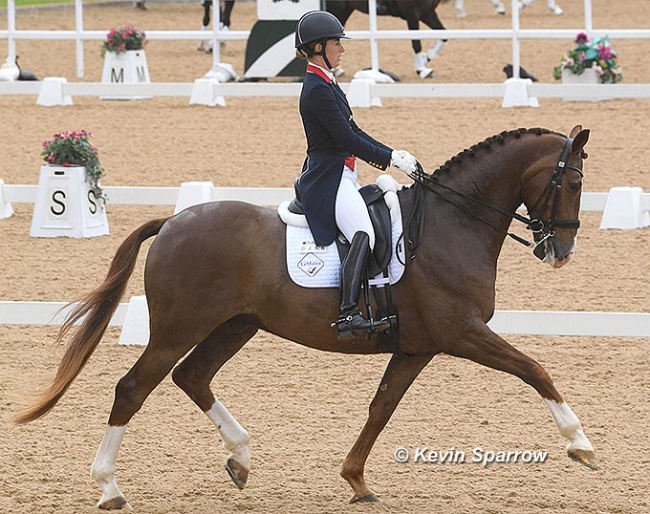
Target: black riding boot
351 322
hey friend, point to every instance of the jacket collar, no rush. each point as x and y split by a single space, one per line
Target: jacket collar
326 75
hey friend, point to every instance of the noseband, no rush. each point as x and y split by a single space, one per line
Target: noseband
541 230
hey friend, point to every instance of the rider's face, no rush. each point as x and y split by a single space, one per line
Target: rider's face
334 51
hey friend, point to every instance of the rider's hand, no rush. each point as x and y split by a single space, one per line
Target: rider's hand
404 161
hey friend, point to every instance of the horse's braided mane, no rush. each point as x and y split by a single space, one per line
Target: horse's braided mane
497 139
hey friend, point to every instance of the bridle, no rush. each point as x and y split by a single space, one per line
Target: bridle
542 230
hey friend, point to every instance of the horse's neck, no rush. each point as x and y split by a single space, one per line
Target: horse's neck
491 176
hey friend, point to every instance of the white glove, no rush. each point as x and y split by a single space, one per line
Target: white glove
404 161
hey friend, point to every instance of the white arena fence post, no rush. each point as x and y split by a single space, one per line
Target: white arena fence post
52 94
193 193
626 208
6 210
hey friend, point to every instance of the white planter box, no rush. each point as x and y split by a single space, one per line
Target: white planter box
65 205
128 67
588 77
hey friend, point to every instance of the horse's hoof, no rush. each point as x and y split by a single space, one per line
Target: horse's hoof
237 472
370 498
425 73
585 457
118 503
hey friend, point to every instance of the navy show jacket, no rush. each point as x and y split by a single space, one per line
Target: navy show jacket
332 136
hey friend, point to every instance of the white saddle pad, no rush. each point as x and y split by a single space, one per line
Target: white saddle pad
310 265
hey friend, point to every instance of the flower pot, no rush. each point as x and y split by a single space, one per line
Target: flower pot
128 67
588 77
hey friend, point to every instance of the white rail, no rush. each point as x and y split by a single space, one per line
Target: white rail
123 195
516 34
589 324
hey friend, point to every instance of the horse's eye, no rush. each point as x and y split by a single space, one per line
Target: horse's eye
575 186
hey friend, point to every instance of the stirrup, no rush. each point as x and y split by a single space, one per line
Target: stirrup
353 324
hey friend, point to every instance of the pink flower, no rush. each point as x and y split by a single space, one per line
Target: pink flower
605 52
581 38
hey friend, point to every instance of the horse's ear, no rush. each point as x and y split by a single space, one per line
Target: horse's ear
580 139
574 131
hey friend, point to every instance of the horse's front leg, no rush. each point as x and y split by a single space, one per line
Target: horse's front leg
479 344
399 375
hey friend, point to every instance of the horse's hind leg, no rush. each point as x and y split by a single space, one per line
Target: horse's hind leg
432 21
498 6
479 344
194 375
130 393
460 9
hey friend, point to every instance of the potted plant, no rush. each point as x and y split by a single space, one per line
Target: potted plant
125 39
125 61
71 149
594 60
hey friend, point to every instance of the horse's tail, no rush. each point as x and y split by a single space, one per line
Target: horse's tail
98 307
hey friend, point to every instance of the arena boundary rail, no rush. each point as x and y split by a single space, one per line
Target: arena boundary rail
244 89
552 323
515 92
270 196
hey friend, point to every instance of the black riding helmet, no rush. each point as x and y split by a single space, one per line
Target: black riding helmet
317 26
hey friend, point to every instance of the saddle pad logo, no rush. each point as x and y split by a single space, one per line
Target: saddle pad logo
310 264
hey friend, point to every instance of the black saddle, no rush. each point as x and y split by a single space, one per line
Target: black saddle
379 212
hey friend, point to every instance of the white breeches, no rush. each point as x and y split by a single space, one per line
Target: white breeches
350 209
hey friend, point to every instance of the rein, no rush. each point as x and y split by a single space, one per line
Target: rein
537 226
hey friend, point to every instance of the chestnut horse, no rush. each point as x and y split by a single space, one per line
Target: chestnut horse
216 274
413 11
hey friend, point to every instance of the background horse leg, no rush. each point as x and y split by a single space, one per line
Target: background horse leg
460 9
498 6
553 7
432 21
130 393
194 375
420 59
479 344
398 377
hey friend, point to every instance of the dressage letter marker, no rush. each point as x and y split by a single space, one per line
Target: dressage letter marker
128 67
66 206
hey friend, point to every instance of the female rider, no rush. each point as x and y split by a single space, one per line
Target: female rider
328 183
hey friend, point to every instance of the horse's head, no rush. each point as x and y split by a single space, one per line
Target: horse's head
552 196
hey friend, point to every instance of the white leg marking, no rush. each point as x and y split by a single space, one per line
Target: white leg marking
435 50
569 426
235 437
103 468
